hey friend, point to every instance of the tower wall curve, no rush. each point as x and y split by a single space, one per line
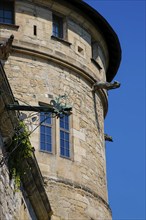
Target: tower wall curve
43 66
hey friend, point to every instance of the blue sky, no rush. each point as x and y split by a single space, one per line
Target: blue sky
125 121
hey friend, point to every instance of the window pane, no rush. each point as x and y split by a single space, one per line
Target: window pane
1 20
61 124
48 119
62 151
62 135
49 147
64 122
1 13
67 153
45 132
42 116
48 130
43 129
8 21
42 146
8 14
42 138
67 136
57 26
45 118
48 139
62 143
66 118
66 126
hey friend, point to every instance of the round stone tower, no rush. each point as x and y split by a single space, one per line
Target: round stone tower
65 48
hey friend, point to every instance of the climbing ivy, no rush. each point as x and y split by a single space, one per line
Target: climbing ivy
19 150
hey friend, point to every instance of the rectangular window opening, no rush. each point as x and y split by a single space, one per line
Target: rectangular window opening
7 12
45 132
35 30
65 137
57 26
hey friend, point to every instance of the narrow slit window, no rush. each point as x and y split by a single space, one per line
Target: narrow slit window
35 30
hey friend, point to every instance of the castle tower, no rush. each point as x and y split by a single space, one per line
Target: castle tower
64 47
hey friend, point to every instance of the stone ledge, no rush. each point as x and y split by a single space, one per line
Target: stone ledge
11 26
76 185
86 75
61 40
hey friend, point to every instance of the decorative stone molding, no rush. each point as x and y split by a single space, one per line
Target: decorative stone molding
76 185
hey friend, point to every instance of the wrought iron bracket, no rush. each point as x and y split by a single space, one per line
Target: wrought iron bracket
56 107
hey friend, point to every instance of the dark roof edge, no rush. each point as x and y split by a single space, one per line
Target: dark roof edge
107 31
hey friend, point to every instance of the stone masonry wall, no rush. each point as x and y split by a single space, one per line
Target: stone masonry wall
41 68
78 202
35 80
11 202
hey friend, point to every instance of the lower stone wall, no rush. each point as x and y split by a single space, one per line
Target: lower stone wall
70 201
12 205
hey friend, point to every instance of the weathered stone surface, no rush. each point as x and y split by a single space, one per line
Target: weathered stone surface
41 67
10 201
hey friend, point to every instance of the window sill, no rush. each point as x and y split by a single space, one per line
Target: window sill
96 63
61 40
13 26
65 157
45 151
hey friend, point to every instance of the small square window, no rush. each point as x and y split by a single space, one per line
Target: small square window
7 12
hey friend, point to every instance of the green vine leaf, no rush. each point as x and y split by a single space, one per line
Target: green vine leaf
19 150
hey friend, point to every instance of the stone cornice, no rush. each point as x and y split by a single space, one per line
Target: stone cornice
111 38
60 61
76 185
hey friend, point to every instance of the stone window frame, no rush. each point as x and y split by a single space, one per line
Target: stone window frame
53 137
46 132
56 137
13 24
64 38
64 126
7 5
94 58
70 139
57 26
